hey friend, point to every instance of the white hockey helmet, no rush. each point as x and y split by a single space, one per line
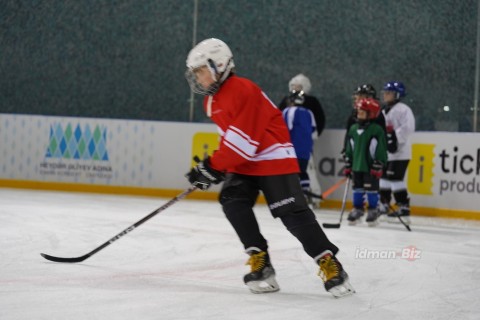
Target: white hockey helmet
300 82
217 56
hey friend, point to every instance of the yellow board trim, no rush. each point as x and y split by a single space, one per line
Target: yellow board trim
202 195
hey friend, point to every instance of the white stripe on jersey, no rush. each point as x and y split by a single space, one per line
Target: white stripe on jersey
241 143
271 102
276 152
289 116
373 147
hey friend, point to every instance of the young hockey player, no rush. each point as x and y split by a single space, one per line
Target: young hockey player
361 92
400 124
255 154
301 125
301 83
365 156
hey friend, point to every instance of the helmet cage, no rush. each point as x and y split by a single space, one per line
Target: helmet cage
297 97
196 87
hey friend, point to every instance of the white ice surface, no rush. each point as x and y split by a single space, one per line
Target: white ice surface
187 263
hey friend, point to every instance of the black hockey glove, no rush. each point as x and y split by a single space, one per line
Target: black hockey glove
203 176
392 144
377 169
347 171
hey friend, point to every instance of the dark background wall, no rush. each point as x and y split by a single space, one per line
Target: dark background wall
126 58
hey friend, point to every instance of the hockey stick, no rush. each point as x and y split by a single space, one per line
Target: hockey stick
124 232
325 194
344 202
309 193
399 218
332 189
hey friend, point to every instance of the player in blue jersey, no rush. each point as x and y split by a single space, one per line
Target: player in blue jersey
301 124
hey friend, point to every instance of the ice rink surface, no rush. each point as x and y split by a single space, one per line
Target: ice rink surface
187 263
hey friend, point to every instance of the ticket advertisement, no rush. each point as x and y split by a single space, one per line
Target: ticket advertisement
444 171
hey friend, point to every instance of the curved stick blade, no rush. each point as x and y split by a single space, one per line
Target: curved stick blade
331 225
66 260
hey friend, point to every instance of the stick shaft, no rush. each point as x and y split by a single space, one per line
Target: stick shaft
124 232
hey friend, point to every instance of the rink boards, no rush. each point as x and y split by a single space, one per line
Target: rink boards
151 158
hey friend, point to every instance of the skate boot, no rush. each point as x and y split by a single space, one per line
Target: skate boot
355 216
372 217
403 212
334 277
261 279
383 211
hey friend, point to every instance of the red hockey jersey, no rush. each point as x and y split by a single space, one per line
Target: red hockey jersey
255 139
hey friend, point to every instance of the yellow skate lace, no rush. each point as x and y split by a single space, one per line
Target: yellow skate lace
257 261
328 268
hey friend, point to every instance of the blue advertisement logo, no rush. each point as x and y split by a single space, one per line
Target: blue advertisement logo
79 143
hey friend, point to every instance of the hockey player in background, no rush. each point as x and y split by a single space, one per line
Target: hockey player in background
301 125
301 83
365 158
400 124
361 92
255 154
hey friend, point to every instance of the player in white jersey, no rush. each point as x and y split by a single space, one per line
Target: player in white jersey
400 125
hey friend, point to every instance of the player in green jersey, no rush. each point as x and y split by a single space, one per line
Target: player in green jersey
365 158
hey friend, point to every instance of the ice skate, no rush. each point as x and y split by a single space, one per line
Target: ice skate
372 217
383 211
334 277
403 212
261 279
355 216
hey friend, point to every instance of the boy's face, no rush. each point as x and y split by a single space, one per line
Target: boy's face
389 96
204 77
362 114
357 97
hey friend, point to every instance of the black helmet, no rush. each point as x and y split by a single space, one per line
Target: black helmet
366 89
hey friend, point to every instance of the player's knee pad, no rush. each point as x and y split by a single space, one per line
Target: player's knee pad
295 220
233 207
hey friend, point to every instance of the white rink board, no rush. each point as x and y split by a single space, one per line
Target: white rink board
140 153
444 171
153 154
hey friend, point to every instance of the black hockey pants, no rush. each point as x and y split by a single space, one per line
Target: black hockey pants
285 200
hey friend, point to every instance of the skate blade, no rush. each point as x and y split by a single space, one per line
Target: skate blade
264 286
354 223
383 218
373 223
342 290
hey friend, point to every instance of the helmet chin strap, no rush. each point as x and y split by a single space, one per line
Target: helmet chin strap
209 106
214 73
227 71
